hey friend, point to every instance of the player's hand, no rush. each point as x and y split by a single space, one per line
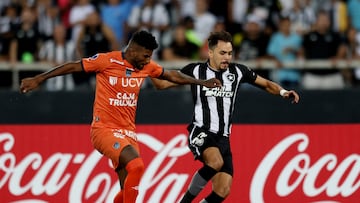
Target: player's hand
211 83
291 94
28 84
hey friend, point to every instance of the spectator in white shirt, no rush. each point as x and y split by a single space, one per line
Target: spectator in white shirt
57 51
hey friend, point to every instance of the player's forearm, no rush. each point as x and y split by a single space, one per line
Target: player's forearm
162 84
273 88
182 79
62 69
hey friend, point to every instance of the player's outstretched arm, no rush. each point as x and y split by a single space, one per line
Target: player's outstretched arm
28 84
276 89
171 78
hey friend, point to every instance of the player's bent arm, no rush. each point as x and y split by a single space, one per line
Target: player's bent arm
162 84
276 89
267 85
179 78
28 84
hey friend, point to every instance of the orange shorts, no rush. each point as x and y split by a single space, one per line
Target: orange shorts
110 142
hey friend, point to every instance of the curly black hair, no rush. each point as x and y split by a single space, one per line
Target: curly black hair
144 39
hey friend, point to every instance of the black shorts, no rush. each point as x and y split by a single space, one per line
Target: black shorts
200 139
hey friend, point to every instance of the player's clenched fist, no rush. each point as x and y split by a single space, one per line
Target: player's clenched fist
29 84
213 82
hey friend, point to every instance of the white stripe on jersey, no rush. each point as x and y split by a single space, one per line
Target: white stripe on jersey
214 117
198 109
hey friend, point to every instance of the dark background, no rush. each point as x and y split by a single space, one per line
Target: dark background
175 107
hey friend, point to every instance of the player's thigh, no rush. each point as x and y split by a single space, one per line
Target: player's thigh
221 183
212 157
112 145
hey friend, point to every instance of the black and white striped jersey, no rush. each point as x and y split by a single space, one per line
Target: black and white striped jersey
213 107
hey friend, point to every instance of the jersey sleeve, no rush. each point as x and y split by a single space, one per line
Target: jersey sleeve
249 75
96 63
188 69
155 70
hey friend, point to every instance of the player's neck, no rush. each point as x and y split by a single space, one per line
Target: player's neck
213 66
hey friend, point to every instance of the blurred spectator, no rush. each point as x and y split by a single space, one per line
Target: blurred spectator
115 14
78 14
338 16
190 34
302 16
204 21
48 17
151 16
187 8
180 48
354 14
353 53
94 37
218 8
4 4
236 18
204 49
323 43
9 23
64 11
284 46
253 43
173 9
268 11
25 45
287 5
57 51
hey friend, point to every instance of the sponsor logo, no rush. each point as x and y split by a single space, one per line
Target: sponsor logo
304 174
131 82
293 167
217 92
124 99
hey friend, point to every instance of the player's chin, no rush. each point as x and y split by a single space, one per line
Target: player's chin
224 66
140 67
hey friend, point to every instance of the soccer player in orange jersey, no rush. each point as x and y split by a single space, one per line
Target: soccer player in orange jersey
119 76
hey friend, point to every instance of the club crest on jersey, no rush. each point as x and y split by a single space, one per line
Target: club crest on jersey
113 80
230 77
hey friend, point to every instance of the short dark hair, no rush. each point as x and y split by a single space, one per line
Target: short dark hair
144 39
218 36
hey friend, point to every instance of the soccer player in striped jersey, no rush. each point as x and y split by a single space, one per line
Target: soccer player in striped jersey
119 76
210 128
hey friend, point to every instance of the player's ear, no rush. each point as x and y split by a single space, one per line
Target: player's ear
211 53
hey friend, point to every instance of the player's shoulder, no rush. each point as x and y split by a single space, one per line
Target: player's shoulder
240 66
194 64
153 64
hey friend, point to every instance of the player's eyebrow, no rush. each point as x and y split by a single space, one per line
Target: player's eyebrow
225 52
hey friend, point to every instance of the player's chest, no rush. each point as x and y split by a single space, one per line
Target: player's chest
121 79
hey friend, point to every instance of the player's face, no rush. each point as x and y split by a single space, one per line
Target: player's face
141 57
220 57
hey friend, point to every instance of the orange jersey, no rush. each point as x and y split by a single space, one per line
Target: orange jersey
118 85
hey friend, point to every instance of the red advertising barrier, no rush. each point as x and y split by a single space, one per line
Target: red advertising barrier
272 163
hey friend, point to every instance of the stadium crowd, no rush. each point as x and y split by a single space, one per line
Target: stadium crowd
55 31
